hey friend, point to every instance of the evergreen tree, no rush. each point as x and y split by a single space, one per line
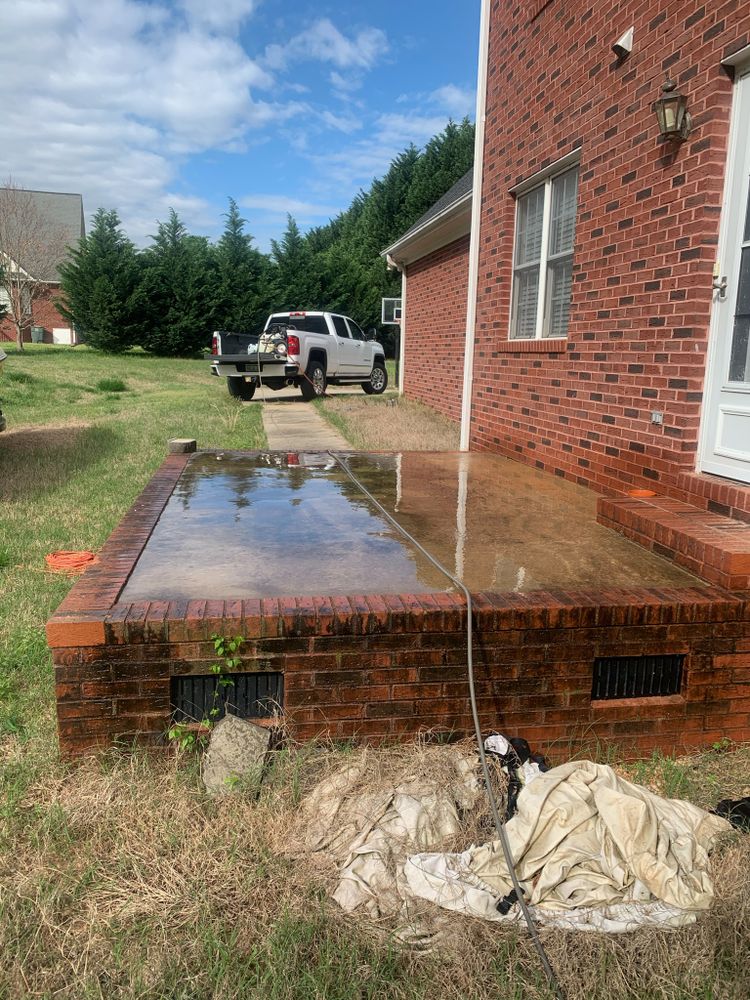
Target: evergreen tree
101 286
297 275
243 296
446 158
178 285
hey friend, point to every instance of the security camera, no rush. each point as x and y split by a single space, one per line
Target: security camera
624 44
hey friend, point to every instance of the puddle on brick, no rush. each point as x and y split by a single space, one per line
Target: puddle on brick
271 525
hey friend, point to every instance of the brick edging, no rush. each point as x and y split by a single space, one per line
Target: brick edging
100 586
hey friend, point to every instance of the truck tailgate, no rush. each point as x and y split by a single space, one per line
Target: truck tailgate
250 362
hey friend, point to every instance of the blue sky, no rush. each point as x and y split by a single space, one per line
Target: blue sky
286 105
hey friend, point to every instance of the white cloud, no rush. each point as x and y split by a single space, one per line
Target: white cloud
400 130
275 204
218 14
459 102
345 84
342 123
323 42
135 88
456 102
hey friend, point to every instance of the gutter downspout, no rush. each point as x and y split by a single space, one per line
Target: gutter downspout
402 334
476 218
398 265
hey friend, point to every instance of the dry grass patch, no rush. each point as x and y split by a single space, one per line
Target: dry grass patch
120 878
390 423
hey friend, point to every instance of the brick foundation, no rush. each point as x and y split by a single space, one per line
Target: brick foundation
379 667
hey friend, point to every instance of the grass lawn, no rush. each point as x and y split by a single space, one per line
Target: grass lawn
85 432
120 879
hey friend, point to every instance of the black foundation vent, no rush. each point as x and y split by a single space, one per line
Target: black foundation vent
636 676
250 696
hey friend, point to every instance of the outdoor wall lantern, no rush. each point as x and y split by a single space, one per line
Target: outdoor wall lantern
672 113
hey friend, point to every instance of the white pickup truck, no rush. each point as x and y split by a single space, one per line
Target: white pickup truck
309 350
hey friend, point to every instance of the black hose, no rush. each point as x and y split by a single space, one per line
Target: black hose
499 824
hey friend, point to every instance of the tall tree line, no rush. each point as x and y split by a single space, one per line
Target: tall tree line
169 297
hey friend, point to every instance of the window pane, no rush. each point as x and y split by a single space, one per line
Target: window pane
557 309
525 293
339 324
739 364
563 213
529 217
355 330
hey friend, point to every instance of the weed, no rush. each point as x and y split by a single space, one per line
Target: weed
185 734
111 385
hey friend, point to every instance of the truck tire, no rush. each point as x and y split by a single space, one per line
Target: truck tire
313 383
241 389
378 380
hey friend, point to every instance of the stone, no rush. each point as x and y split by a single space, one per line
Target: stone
181 446
236 752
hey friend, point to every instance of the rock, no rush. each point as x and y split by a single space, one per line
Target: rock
181 446
236 752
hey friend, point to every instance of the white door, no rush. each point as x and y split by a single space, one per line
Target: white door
347 349
363 348
726 434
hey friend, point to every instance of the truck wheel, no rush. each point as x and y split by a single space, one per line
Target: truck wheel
378 380
241 389
313 384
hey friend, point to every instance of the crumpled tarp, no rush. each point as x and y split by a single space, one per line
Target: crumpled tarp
369 827
592 852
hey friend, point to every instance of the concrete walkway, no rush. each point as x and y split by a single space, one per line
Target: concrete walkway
297 426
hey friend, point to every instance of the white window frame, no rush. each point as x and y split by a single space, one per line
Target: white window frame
541 178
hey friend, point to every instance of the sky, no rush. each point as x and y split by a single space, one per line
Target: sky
284 105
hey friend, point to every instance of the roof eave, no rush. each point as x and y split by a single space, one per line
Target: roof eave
449 225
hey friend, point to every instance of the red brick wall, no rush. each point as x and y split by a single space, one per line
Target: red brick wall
646 235
436 290
44 314
384 668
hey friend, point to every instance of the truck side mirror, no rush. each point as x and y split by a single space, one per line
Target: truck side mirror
371 334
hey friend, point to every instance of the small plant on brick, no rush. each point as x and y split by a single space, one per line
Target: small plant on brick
185 734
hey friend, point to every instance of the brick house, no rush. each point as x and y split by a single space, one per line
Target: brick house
593 341
62 216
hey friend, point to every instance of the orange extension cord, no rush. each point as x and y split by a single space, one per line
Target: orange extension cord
69 562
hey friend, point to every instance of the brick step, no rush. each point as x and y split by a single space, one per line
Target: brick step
714 547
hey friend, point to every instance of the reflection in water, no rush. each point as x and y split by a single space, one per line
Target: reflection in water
272 525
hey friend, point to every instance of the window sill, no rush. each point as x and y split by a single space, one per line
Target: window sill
549 346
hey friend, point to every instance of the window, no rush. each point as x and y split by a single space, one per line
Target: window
543 258
356 332
339 325
308 324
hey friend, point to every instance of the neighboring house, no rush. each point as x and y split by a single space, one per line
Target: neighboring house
62 214
598 339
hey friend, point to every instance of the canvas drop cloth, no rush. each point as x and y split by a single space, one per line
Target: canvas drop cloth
368 827
592 851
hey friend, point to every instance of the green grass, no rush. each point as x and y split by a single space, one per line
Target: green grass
71 462
120 879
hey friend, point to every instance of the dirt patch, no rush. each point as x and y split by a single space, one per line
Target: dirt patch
35 460
390 423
